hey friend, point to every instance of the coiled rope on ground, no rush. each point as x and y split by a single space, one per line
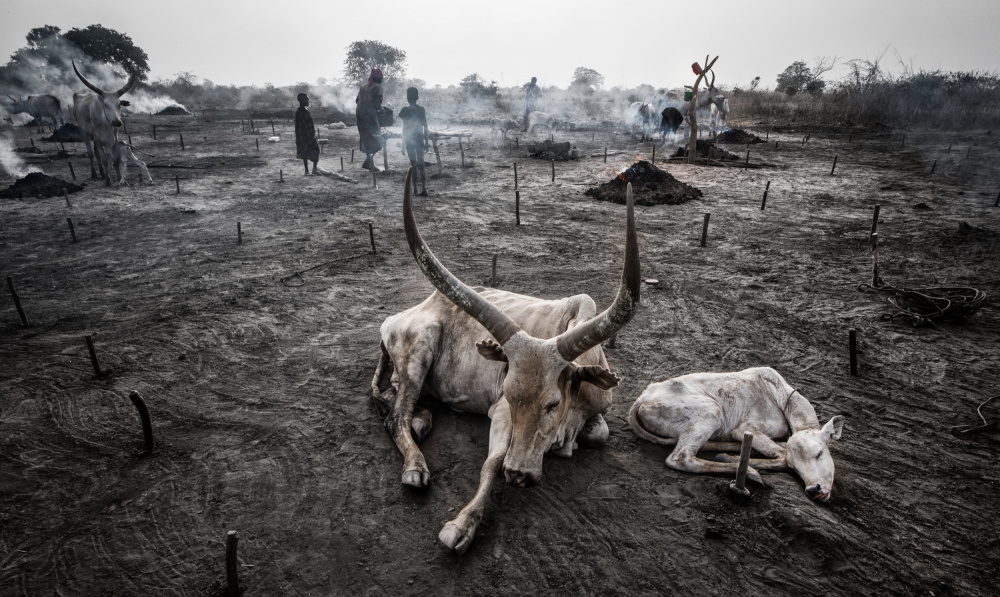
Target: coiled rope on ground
927 305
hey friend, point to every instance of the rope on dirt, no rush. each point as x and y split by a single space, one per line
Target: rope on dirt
963 429
284 281
927 305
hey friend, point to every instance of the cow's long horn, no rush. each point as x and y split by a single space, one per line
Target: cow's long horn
12 99
124 90
572 343
496 322
90 85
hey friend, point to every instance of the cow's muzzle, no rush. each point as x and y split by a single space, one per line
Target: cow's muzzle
817 493
116 123
520 478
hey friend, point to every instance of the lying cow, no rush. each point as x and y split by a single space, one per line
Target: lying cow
122 157
701 411
503 126
671 119
538 119
544 382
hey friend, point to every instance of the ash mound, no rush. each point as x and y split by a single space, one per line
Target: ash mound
67 133
27 149
174 110
37 184
706 149
551 150
650 186
738 136
336 115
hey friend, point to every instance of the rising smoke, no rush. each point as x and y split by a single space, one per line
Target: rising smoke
11 163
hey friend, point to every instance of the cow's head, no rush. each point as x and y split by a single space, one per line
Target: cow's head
808 454
17 106
543 384
110 100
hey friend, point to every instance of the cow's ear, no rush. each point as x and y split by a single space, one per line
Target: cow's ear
491 351
833 428
124 103
596 375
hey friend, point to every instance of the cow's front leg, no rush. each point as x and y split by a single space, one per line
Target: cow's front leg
457 534
398 423
775 453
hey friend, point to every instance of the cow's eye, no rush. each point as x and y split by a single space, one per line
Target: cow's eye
551 406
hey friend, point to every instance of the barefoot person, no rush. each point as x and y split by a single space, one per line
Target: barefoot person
369 102
306 146
531 93
415 135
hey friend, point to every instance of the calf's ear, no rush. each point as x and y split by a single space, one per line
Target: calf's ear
596 375
491 351
833 428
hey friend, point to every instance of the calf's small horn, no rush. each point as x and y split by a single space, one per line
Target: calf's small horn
572 343
496 322
90 85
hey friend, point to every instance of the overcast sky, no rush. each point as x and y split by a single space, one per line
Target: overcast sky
251 42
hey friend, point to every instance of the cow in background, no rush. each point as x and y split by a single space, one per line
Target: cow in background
38 107
99 115
671 119
642 114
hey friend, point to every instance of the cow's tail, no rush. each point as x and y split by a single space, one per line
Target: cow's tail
382 381
636 425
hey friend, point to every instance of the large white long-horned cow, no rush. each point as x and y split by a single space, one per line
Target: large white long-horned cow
545 382
38 107
99 115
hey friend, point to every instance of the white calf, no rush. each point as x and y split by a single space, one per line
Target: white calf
502 126
690 410
123 156
536 119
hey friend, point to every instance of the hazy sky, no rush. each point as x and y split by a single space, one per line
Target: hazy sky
654 42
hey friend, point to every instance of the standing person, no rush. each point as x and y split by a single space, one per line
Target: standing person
306 146
369 102
531 93
415 135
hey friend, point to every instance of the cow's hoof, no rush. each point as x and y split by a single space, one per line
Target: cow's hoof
417 478
754 477
454 539
420 429
726 458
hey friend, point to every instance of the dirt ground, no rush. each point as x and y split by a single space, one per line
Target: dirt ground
259 390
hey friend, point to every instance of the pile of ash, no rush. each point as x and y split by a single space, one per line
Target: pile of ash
28 149
706 149
551 150
37 184
174 110
738 136
336 115
650 186
67 133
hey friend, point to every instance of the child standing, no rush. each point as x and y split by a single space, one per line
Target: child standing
415 135
306 146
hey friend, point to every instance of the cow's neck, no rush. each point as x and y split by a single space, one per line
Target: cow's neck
799 413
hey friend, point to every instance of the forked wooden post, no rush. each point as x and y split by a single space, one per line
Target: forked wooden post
232 573
147 425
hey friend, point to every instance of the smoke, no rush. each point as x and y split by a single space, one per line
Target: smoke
339 96
11 163
143 101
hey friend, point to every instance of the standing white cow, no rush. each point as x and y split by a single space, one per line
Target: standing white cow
719 114
99 115
538 119
544 382
38 107
711 411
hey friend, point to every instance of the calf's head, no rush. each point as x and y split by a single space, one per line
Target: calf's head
111 103
808 454
543 384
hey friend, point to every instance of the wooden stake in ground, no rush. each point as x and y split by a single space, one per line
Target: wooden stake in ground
272 127
852 341
93 357
239 233
242 126
66 197
257 143
154 132
747 164
232 574
738 487
71 172
374 181
493 278
371 237
763 200
933 166
605 155
517 208
182 141
653 159
281 175
997 203
903 142
352 156
385 156
834 165
17 302
72 232
437 156
874 244
553 170
949 148
704 230
341 163
515 176
875 218
969 152
177 181
147 425
461 150
767 136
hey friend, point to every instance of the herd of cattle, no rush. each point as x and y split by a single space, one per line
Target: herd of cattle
545 382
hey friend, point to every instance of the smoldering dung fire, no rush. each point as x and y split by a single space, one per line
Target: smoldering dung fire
40 186
650 186
10 162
